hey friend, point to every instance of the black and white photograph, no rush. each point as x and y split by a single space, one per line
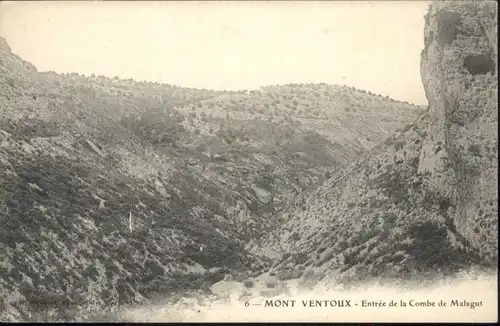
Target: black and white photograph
248 161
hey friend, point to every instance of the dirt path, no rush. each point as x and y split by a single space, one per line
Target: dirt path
241 306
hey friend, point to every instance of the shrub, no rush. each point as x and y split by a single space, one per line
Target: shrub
474 150
10 81
248 284
295 236
342 245
289 275
240 277
300 258
271 284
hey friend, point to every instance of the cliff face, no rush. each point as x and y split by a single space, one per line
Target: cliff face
458 67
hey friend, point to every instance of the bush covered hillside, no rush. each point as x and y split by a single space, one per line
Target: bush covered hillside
80 155
424 202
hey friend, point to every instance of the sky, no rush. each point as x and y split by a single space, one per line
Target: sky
227 45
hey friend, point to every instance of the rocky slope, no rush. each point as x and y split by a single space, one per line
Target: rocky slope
82 157
423 203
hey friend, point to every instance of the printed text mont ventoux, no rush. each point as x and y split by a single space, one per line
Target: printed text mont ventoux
289 303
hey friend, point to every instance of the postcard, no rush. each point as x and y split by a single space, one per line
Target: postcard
248 161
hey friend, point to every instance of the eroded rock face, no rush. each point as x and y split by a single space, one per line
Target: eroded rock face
458 67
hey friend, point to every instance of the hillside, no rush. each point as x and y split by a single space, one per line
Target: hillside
423 204
80 155
274 143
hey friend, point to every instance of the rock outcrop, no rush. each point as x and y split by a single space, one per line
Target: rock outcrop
458 66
